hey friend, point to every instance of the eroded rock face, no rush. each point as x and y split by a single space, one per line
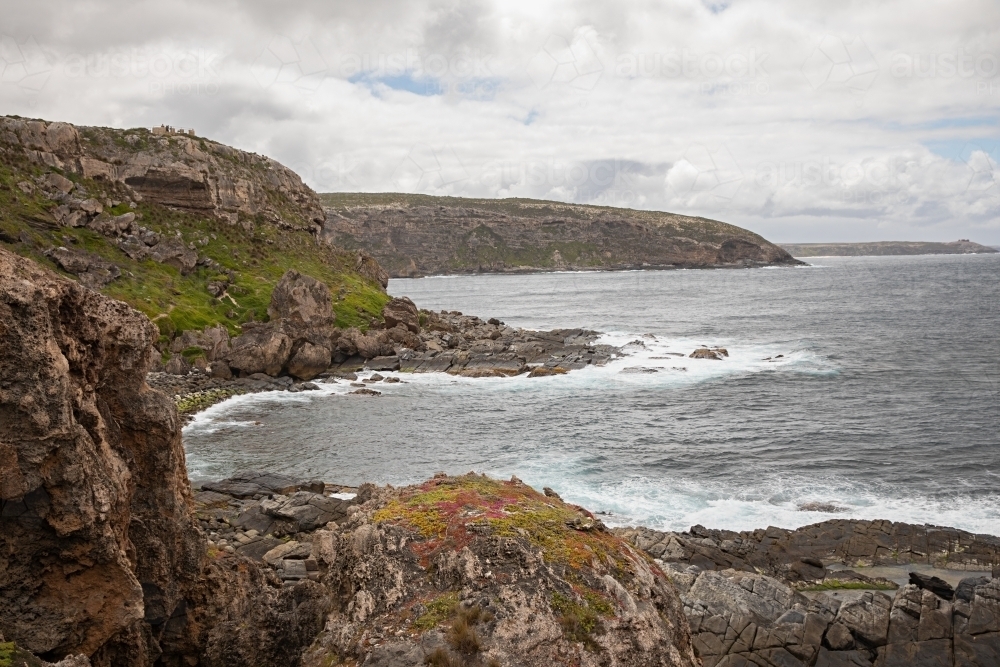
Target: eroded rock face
190 173
94 488
99 552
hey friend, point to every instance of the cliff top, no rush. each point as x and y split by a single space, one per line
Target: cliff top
189 231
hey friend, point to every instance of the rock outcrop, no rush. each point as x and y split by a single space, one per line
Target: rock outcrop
766 597
180 171
413 235
796 555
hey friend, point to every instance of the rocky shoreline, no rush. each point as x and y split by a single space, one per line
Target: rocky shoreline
109 557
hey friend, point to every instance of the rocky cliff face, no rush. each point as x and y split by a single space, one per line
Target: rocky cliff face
180 171
414 235
99 553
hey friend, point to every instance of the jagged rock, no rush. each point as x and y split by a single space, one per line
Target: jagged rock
402 311
301 299
76 493
705 353
867 617
513 590
935 585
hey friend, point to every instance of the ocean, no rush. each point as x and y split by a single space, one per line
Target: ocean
883 403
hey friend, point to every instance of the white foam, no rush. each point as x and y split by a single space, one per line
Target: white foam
758 503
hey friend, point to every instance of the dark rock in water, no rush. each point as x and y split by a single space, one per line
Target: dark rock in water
936 585
402 311
546 371
249 484
638 370
367 392
705 353
828 508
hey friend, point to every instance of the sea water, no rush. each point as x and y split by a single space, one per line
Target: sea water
882 404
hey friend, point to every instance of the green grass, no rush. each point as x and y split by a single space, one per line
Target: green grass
437 611
177 302
844 585
579 622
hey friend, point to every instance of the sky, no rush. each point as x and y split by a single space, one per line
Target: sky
816 121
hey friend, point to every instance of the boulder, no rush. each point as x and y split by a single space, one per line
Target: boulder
369 267
174 252
935 585
402 311
220 370
93 271
867 617
705 353
302 300
58 182
260 348
309 361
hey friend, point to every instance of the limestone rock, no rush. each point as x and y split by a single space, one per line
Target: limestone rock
301 299
402 311
174 252
260 348
309 361
84 545
369 267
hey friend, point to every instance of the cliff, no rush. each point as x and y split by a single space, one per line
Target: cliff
188 231
414 235
961 247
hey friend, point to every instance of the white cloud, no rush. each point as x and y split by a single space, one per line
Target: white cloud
823 121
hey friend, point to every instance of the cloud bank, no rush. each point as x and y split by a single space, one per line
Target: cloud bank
825 121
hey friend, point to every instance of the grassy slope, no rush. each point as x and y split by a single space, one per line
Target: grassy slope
178 302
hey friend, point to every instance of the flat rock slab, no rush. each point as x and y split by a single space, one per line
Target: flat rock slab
258 548
249 484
